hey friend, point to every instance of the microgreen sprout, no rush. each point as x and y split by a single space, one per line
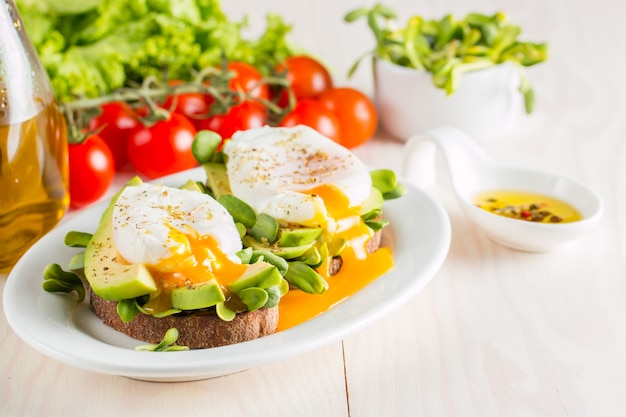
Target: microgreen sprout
58 280
166 345
447 48
74 239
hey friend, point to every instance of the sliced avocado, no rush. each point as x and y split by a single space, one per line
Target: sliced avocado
191 185
197 296
217 178
259 274
312 257
108 274
336 247
287 252
375 201
298 237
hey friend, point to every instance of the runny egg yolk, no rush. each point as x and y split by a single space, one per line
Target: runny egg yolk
200 260
358 269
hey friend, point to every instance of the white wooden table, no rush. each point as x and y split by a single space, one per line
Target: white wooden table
497 332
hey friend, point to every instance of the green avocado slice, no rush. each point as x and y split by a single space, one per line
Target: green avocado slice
287 252
108 274
259 274
298 237
217 178
197 296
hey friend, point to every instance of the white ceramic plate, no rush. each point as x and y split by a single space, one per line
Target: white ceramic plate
69 332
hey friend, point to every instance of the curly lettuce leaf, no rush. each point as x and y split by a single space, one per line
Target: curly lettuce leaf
107 44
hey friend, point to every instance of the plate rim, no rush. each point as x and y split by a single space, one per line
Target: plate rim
207 363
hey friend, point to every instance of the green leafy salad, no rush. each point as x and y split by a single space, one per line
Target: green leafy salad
92 47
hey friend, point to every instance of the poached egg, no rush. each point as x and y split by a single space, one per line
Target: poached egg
183 237
295 174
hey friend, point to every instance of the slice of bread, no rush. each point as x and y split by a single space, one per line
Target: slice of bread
197 330
201 329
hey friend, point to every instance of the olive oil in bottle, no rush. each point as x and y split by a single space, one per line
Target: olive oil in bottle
33 144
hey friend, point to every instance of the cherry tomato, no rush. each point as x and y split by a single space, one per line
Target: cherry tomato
187 104
314 114
162 148
92 169
308 77
213 123
248 79
356 112
114 125
243 116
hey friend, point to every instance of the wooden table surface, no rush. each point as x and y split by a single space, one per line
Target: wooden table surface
497 332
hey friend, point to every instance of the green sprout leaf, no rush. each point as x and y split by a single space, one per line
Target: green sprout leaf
265 228
166 345
127 310
57 280
240 210
77 262
376 225
224 312
253 297
305 278
384 180
204 146
449 47
75 239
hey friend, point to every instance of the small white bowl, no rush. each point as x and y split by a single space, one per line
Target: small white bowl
472 172
486 105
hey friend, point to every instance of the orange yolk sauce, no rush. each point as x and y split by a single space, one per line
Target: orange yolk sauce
297 306
201 261
357 270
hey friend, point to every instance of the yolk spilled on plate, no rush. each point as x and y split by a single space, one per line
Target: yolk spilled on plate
358 268
296 306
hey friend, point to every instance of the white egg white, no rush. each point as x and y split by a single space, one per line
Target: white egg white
273 168
151 223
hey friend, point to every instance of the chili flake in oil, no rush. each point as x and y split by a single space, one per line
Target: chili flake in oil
527 206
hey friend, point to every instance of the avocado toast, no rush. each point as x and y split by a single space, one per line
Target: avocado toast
234 293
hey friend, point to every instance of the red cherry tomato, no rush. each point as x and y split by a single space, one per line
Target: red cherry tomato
308 77
92 169
191 105
243 116
248 79
356 112
314 114
114 125
213 123
162 148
